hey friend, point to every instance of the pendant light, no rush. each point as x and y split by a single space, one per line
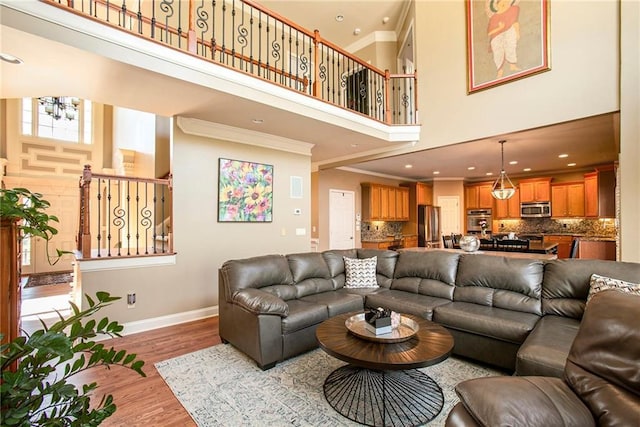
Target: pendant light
503 188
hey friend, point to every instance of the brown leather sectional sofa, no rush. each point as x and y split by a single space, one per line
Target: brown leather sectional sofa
518 314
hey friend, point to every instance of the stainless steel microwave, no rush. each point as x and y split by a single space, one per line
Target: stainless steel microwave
535 210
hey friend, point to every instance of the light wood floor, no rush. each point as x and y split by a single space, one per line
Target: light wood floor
149 401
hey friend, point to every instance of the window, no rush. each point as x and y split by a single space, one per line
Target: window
75 127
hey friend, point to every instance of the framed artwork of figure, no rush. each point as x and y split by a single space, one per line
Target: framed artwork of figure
506 40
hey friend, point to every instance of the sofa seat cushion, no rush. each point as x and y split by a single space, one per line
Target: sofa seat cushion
506 325
545 350
405 302
337 302
303 314
523 401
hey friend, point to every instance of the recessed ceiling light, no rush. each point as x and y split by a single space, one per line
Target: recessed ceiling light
571 164
339 18
354 145
527 169
489 173
513 162
408 166
356 31
385 19
258 121
563 156
471 168
10 58
436 172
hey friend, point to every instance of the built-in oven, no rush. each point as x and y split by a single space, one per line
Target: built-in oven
477 218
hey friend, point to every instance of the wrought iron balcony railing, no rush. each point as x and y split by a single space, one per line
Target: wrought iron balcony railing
247 37
124 216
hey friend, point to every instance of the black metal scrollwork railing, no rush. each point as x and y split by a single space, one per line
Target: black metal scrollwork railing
246 36
124 216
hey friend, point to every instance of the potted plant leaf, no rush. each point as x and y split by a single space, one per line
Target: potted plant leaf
27 209
38 392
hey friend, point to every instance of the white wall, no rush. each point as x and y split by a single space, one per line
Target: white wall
203 244
583 80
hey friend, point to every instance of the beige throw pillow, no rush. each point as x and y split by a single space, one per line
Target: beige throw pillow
360 273
601 283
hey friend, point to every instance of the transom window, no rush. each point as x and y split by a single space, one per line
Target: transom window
72 125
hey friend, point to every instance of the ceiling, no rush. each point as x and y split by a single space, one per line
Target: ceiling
588 142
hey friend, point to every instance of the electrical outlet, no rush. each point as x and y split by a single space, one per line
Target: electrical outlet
131 300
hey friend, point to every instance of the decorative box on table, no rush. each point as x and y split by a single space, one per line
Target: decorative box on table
378 321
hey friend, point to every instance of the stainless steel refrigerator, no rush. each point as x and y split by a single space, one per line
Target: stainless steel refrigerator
429 226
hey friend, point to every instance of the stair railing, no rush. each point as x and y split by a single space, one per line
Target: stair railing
124 216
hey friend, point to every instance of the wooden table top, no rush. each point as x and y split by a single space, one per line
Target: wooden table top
431 345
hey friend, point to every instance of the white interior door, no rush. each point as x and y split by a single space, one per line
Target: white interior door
341 219
450 214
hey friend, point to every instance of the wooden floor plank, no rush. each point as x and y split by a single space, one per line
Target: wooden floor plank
149 401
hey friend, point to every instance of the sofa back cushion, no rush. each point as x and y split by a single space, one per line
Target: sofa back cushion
269 273
566 282
386 264
602 367
431 273
503 282
310 273
335 262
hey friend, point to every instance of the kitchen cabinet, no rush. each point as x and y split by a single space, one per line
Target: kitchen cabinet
535 190
478 195
376 245
508 209
564 244
597 249
411 241
402 204
418 193
384 203
599 193
567 200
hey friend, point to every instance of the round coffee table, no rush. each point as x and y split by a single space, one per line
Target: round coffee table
381 385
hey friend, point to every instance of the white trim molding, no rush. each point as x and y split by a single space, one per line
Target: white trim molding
168 320
212 130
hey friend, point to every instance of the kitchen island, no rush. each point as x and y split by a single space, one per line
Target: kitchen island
526 255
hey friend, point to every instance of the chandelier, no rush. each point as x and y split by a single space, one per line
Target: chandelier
503 188
60 106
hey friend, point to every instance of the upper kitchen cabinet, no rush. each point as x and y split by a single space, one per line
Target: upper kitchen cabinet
599 193
567 200
535 190
510 208
384 203
419 193
478 195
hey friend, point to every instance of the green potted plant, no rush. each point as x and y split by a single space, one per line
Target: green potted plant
28 210
38 391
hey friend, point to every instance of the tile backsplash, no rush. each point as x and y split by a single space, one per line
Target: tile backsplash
579 226
375 230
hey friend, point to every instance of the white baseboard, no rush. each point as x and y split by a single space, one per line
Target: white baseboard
168 320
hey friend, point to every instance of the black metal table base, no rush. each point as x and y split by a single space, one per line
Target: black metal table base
383 398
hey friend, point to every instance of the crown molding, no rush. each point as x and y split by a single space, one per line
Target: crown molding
212 130
371 38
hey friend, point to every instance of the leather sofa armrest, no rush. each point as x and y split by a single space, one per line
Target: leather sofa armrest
523 401
260 302
459 417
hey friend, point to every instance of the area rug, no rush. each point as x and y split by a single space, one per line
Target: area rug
220 386
49 279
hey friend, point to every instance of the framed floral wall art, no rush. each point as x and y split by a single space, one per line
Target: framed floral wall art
245 191
506 40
